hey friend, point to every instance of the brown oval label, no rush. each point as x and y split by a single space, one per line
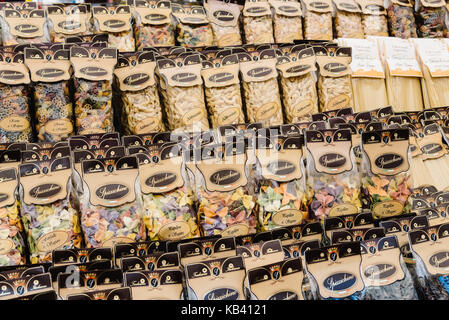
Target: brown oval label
303 108
259 72
289 9
114 23
332 160
229 116
193 115
26 28
113 191
45 191
374 8
389 161
184 77
147 125
235 230
111 242
225 177
440 260
11 75
300 68
160 180
256 10
3 197
155 17
338 102
59 127
221 77
267 111
94 71
335 67
50 73
69 25
431 148
287 217
223 15
319 5
6 245
52 240
349 6
136 79
388 208
281 167
342 209
14 124
174 231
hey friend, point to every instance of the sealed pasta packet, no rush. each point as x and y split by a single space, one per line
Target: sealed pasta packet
93 71
111 205
287 22
192 27
151 262
257 22
123 293
260 87
155 285
153 24
334 272
305 232
182 92
222 88
317 19
50 71
67 20
23 22
26 287
348 20
224 18
401 19
203 250
141 107
281 184
296 67
116 21
431 19
15 118
332 173
334 81
374 18
47 208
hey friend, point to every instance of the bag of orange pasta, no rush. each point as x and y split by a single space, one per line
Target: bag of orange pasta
68 20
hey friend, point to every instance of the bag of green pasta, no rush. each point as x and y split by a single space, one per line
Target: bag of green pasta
67 20
224 18
257 22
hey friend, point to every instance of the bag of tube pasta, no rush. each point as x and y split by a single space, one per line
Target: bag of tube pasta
374 18
136 86
169 212
257 22
47 211
23 22
93 72
182 92
287 21
334 81
155 285
222 88
401 19
348 19
152 23
111 205
431 19
224 18
332 173
334 272
91 38
116 21
317 19
192 27
15 117
260 87
296 67
67 20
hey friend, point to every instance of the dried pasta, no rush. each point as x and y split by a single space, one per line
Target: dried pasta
299 97
221 99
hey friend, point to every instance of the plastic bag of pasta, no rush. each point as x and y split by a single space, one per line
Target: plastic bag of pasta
65 21
401 19
332 173
111 204
334 81
49 217
374 18
23 22
431 19
296 68
50 71
182 92
222 88
192 27
386 173
116 21
260 87
257 22
141 108
317 19
224 19
348 20
287 21
93 66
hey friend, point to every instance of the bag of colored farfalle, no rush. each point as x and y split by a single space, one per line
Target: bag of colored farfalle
49 217
374 18
226 203
334 81
67 20
260 87
116 21
93 71
348 20
431 19
192 27
15 118
111 205
257 22
24 23
296 68
222 88
386 173
182 92
332 173
152 24
317 19
169 212
224 19
287 21
141 108
401 19
50 71
281 184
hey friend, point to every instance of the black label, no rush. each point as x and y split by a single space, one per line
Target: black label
26 28
319 5
284 295
184 77
112 191
94 71
155 17
113 23
431 148
222 294
161 179
348 6
3 197
223 15
49 73
288 9
46 190
69 25
340 281
281 167
389 161
225 177
440 259
259 72
300 68
332 160
335 67
136 79
11 75
374 8
221 77
380 271
256 10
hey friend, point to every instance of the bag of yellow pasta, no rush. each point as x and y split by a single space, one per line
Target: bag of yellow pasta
287 21
224 19
317 19
257 22
68 20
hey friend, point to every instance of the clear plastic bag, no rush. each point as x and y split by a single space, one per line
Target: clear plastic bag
401 21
